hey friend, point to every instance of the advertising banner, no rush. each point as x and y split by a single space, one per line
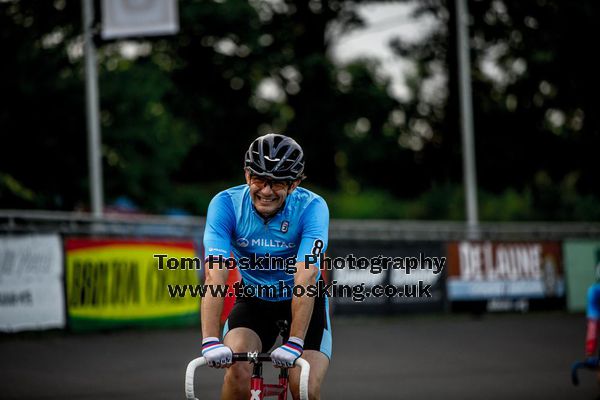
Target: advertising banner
31 283
388 277
582 267
127 18
508 270
430 271
117 282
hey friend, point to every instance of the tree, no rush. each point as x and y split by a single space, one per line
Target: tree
178 112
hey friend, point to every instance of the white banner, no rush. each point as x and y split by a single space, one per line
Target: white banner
31 283
126 18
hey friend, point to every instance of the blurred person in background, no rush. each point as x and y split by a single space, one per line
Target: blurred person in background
269 215
593 317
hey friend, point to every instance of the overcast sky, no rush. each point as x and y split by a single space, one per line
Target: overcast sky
384 22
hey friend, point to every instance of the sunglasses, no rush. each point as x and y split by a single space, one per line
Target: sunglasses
274 184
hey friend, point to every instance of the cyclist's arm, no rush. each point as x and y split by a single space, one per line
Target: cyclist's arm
315 222
220 222
212 307
302 307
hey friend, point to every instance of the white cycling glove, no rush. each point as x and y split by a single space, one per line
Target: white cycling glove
286 355
216 353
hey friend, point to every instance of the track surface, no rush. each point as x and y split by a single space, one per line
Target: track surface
414 357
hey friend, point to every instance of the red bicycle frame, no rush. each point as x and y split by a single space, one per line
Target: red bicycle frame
258 389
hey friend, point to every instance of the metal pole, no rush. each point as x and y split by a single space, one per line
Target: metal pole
93 121
466 114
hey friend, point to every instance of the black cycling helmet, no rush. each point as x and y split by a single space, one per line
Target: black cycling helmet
275 156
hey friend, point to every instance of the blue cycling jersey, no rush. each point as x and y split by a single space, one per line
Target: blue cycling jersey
593 301
261 247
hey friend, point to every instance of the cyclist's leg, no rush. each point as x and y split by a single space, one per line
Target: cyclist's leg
317 350
249 327
236 384
318 368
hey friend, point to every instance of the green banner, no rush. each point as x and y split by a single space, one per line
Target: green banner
581 258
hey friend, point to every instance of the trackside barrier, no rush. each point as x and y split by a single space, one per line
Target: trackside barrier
364 237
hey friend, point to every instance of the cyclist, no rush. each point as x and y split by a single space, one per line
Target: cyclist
269 216
593 317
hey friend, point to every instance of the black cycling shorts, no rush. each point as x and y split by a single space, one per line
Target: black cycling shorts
261 316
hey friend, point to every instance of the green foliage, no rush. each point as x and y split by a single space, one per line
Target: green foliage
447 203
195 198
42 122
178 112
142 156
509 205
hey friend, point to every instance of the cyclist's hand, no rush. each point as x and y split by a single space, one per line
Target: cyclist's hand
286 355
216 353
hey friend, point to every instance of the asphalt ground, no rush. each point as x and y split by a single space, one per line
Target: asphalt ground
501 356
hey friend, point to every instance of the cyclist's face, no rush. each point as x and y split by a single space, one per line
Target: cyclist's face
267 195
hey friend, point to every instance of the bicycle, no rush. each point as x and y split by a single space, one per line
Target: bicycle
258 389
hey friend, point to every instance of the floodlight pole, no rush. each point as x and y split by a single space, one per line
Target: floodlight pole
93 121
466 118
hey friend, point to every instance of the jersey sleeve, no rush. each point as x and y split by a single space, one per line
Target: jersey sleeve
220 224
315 232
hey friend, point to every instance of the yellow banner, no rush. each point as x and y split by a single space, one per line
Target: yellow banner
120 279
